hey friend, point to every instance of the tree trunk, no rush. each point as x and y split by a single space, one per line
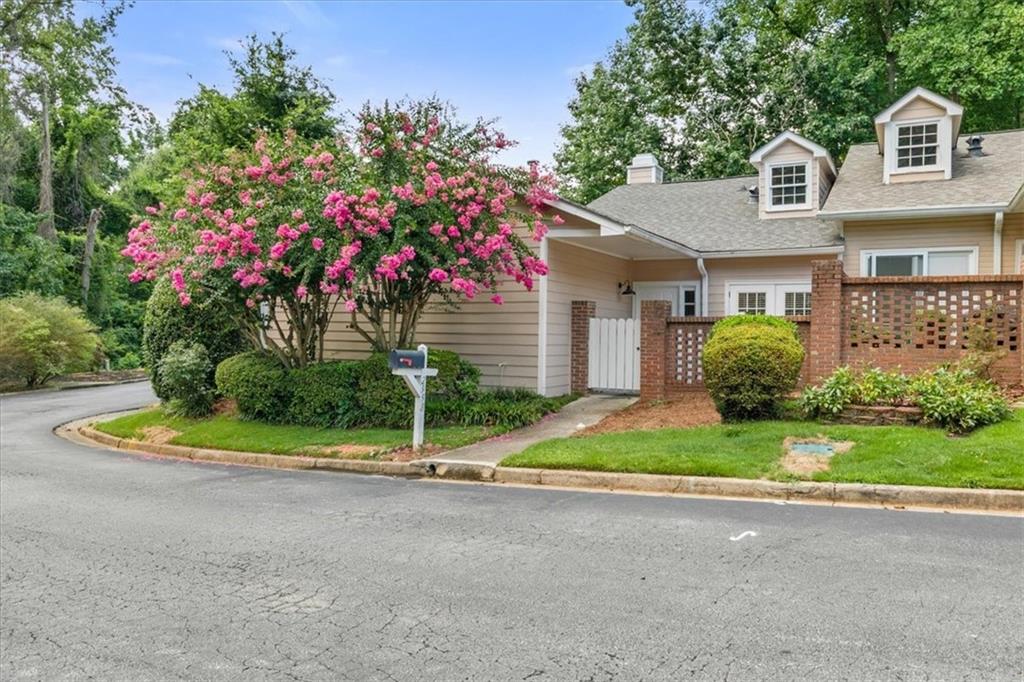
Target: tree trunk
90 244
46 228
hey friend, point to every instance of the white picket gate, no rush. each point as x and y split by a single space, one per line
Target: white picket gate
614 355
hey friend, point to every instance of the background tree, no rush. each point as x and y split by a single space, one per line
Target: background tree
703 90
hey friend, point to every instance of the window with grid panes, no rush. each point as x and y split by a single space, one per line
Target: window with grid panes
751 302
917 145
788 185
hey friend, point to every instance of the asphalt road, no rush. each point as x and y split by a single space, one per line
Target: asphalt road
118 567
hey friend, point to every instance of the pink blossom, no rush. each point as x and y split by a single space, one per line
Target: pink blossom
497 299
301 291
317 243
438 275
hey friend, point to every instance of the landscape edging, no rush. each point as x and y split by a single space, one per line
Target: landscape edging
964 499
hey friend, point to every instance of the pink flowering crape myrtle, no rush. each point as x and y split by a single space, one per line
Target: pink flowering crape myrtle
408 208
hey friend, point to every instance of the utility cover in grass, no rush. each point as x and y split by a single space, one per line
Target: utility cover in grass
807 456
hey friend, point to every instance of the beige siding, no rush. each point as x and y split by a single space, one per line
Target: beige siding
681 270
1013 232
967 231
578 275
773 270
929 176
486 334
918 108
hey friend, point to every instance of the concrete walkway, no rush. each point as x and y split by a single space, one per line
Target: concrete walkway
586 411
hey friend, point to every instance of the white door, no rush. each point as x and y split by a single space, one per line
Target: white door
682 296
768 299
614 355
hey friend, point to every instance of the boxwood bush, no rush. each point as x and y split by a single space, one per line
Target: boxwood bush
750 363
258 383
324 394
184 372
384 399
205 320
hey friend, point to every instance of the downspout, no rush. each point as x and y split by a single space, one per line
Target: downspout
542 326
703 286
997 244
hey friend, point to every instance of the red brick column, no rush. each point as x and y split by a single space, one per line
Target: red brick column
825 345
653 331
579 359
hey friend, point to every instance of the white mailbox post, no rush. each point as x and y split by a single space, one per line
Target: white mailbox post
411 365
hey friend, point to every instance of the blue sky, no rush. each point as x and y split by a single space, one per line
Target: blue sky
511 60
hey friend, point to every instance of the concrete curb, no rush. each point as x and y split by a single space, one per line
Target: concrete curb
83 430
853 494
899 496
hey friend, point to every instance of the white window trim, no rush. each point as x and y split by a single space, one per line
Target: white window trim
771 208
865 257
943 158
681 286
775 295
1018 254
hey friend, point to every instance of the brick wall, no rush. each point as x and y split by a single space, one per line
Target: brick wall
654 349
582 311
913 323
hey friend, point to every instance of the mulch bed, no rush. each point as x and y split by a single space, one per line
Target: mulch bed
691 409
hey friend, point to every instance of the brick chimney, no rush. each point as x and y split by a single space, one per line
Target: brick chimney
644 170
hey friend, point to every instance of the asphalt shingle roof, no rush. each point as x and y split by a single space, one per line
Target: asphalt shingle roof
991 179
712 215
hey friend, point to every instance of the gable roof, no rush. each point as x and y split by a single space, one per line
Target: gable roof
951 107
712 216
789 136
978 184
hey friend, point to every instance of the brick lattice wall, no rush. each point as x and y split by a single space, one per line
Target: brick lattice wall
913 323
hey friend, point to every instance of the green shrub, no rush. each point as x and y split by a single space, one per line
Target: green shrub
957 400
324 394
506 409
258 383
832 396
878 387
184 370
384 399
747 320
749 366
206 320
41 338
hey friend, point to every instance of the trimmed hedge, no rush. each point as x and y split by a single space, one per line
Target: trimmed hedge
384 399
750 364
206 320
184 372
41 338
258 383
324 394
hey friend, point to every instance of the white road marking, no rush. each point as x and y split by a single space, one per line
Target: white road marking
744 534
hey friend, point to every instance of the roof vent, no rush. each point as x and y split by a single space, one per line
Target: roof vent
752 193
974 146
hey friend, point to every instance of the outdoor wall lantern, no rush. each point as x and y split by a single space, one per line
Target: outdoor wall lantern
626 288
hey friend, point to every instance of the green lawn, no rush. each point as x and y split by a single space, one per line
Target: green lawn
992 457
231 433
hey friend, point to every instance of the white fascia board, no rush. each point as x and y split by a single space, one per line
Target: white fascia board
789 136
607 225
640 233
747 253
914 212
951 107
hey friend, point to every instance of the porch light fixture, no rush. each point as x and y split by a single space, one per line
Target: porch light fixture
626 288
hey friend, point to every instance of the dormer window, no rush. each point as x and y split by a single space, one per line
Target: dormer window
917 145
787 184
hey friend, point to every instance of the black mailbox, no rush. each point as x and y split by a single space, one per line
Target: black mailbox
407 359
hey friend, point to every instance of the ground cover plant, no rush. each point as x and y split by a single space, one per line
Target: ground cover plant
953 398
989 457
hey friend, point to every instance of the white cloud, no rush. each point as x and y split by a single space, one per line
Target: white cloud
579 70
230 44
307 13
155 59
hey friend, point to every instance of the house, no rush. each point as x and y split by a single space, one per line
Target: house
921 199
